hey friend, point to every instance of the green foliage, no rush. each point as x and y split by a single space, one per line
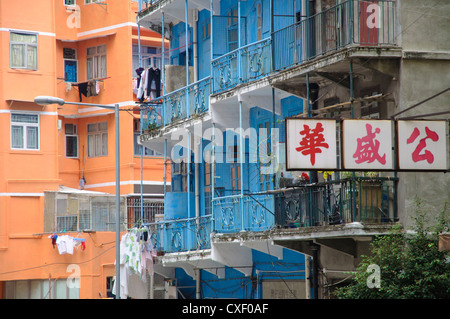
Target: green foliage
411 265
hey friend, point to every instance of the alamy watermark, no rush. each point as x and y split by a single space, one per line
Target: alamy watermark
234 145
73 280
374 279
74 19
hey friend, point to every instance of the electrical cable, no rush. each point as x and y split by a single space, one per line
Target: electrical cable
59 263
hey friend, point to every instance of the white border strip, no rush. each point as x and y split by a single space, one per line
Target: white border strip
111 27
155 183
50 34
22 194
29 112
97 108
81 34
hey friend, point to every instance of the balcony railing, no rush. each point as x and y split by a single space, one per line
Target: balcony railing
187 102
138 213
181 234
363 199
371 200
242 65
243 212
151 116
353 22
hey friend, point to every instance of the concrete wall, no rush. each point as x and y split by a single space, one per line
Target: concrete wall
175 77
424 25
424 72
421 79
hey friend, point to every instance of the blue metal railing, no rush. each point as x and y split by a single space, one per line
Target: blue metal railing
151 116
322 204
187 101
254 60
353 22
331 203
181 234
243 212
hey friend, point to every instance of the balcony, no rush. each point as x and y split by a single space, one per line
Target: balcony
237 213
302 207
179 235
243 65
352 23
333 203
187 102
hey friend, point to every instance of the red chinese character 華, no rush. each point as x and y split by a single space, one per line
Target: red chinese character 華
312 141
427 155
367 147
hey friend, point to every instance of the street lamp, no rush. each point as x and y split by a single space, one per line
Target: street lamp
46 100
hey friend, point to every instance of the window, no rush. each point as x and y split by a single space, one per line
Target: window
264 153
258 21
23 51
208 188
235 177
92 1
42 289
179 177
233 30
69 2
70 65
371 108
208 174
206 30
97 134
150 57
71 140
96 62
24 131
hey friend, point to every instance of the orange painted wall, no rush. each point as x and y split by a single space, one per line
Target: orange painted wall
25 175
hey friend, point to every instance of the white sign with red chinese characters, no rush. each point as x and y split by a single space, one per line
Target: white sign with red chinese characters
367 144
310 144
422 145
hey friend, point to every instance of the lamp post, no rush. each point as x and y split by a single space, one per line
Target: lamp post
46 100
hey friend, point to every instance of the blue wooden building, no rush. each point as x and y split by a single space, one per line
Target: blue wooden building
237 223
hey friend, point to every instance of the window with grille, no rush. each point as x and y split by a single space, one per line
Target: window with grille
69 2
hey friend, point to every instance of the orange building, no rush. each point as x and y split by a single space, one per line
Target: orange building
57 163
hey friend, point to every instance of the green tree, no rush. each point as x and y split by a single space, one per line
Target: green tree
410 263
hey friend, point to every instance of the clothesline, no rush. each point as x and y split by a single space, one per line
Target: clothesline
153 55
66 244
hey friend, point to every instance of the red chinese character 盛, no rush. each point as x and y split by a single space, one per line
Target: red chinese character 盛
312 141
367 147
427 155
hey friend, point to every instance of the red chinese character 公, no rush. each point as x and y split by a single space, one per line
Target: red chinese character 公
312 141
427 155
367 148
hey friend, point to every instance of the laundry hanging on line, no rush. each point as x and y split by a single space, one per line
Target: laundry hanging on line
66 244
88 89
135 262
148 83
